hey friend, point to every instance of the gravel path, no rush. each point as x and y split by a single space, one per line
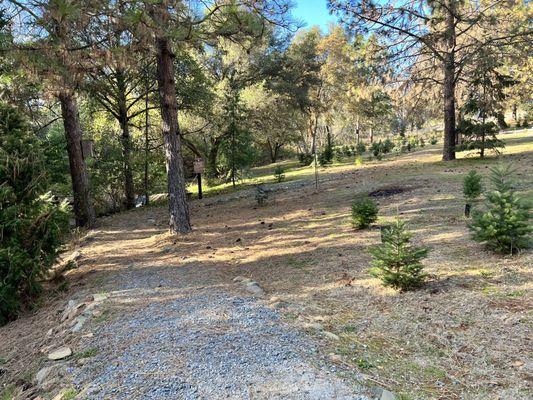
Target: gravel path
203 344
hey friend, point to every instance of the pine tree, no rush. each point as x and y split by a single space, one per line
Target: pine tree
32 225
472 188
504 227
396 262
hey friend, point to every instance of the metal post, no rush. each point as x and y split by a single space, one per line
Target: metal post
199 185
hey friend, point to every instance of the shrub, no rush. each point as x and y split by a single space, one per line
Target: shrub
358 161
32 224
364 212
396 262
326 157
433 140
479 136
422 142
472 188
305 158
504 226
388 146
360 148
279 174
376 149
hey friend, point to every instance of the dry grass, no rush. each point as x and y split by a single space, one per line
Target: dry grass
466 335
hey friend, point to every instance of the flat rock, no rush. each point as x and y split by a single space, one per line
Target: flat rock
78 323
331 335
253 287
384 394
99 297
59 354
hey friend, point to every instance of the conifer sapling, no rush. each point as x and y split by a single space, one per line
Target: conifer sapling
472 188
504 226
396 262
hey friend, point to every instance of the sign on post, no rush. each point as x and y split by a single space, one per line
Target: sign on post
198 166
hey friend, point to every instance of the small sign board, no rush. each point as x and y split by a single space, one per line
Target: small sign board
199 166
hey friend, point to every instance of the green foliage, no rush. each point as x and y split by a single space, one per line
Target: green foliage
479 136
377 148
325 158
433 141
305 159
364 212
32 224
396 262
504 226
472 186
387 146
279 173
360 148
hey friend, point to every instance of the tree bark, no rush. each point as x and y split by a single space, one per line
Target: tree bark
83 206
448 151
177 196
213 156
129 189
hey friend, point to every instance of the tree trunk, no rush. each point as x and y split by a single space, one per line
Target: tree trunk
212 157
83 206
146 149
177 196
371 135
448 151
129 190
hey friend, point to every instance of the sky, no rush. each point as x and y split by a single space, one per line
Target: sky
313 12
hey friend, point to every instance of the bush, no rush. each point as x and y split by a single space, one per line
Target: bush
433 140
326 157
360 148
479 136
376 148
305 158
364 212
32 224
396 262
279 174
504 226
472 188
388 146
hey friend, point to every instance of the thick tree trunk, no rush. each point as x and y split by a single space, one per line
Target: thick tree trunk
83 206
177 196
448 151
129 189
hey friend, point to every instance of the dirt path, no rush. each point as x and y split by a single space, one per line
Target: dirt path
171 332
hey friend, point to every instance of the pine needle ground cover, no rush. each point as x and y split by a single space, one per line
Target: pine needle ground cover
464 335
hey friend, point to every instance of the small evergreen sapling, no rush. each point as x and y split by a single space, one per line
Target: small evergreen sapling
364 212
472 188
279 174
396 262
504 227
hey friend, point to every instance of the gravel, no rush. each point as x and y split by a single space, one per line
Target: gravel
203 344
